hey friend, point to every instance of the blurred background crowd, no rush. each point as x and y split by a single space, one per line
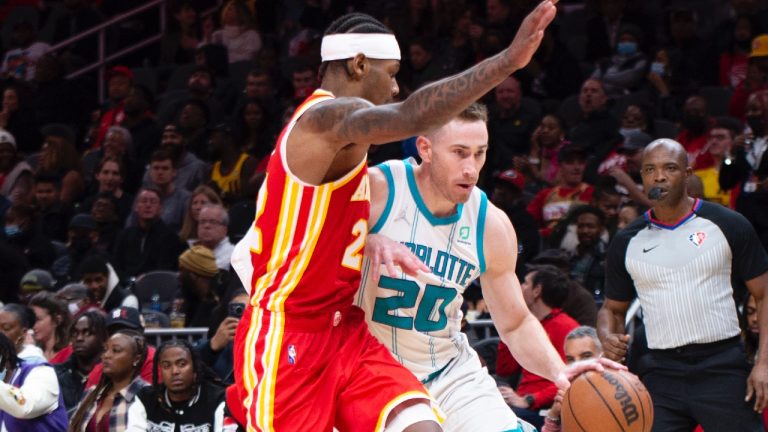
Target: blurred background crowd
133 141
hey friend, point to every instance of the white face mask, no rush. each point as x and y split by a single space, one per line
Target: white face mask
73 308
628 131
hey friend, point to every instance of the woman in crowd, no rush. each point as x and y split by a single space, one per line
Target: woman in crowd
109 179
186 396
179 44
60 158
51 326
252 133
201 196
29 394
547 139
16 321
243 42
105 407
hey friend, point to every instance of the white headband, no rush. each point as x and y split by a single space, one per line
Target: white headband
347 45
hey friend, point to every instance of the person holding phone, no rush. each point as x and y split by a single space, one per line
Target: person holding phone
216 352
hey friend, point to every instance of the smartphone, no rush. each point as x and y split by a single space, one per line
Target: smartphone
235 309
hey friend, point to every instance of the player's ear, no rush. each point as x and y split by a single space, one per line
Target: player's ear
358 67
424 147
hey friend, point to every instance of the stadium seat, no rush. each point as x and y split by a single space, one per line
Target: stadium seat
163 283
155 319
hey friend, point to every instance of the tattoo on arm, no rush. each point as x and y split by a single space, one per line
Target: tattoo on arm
427 108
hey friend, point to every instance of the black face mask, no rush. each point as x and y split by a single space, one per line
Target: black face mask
81 245
696 124
744 45
757 124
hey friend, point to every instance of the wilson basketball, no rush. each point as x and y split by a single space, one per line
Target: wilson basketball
606 402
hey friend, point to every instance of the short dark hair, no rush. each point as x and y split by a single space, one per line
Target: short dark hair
45 177
94 264
555 285
732 125
160 155
587 209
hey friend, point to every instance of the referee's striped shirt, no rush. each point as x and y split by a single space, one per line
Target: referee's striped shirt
686 274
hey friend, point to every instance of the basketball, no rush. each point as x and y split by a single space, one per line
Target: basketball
607 401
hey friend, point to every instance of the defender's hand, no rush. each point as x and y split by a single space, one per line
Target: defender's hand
383 250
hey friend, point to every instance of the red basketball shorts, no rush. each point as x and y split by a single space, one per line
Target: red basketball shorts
313 373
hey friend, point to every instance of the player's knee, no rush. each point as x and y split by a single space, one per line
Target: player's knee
413 416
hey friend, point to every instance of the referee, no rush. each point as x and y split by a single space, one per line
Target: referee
683 260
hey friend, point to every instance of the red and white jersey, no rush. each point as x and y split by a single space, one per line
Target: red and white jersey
305 248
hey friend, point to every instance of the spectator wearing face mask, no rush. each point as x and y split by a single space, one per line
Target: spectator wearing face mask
624 71
82 236
694 126
748 150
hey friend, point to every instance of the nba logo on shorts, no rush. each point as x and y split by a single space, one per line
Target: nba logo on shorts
697 238
291 354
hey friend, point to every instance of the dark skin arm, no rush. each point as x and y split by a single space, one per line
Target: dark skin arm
348 125
611 331
757 383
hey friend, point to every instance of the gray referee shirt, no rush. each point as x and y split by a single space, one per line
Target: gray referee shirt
686 275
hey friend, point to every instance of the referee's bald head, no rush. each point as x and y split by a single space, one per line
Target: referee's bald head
674 147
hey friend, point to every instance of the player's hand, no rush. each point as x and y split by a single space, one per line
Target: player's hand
224 334
554 411
530 33
615 346
573 370
383 250
757 385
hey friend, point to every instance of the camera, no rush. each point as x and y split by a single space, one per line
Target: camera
236 309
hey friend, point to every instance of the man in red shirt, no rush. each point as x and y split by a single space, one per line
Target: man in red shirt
545 289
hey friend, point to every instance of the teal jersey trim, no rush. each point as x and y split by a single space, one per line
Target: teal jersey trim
384 167
434 220
481 229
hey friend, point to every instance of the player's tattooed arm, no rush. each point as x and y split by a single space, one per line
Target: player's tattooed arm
357 121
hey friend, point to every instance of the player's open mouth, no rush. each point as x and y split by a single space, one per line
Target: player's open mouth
466 186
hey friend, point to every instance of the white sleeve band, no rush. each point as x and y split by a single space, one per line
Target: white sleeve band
412 414
347 45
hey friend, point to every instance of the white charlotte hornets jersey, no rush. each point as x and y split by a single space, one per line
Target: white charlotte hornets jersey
419 319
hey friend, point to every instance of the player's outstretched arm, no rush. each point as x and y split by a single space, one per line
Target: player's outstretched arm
353 120
517 327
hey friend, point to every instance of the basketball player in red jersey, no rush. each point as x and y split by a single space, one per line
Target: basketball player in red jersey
304 359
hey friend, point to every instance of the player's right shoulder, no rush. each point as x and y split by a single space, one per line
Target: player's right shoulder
328 115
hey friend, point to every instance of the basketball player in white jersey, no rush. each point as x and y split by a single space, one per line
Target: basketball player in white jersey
434 210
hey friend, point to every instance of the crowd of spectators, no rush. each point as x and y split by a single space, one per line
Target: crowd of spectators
130 206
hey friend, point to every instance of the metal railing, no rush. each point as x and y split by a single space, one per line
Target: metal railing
157 336
101 32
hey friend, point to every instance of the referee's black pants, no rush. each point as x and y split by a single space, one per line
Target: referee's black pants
702 384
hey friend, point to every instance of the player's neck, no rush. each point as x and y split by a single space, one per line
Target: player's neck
341 87
438 205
